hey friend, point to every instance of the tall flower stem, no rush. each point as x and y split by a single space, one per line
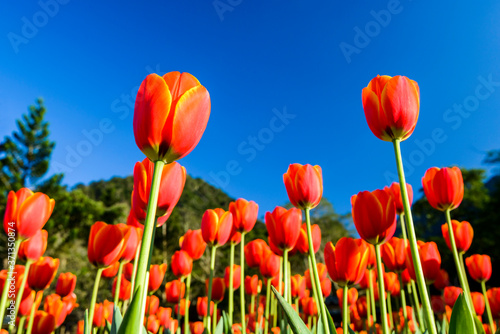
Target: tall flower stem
94 297
456 258
345 311
231 291
11 264
488 309
148 233
313 284
462 267
186 304
416 304
268 297
242 282
372 296
431 325
210 279
381 291
118 283
368 307
314 270
214 316
134 272
20 293
21 325
403 302
389 311
32 316
285 275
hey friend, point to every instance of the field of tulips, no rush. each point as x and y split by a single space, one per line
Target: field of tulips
382 282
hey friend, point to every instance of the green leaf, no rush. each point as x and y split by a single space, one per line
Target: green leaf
444 325
219 329
117 320
319 328
350 330
296 324
461 321
479 326
132 320
331 324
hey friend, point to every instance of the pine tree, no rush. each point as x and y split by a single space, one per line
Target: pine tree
25 156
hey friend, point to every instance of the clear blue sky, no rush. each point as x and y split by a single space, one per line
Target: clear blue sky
305 61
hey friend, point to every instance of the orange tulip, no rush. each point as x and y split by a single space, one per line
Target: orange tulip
322 272
170 115
54 305
302 244
451 294
493 295
252 285
43 323
70 302
65 284
395 191
361 306
391 283
352 297
463 233
254 252
152 324
478 301
346 263
156 276
174 290
181 263
202 306
26 213
444 188
479 267
283 227
133 238
152 304
430 259
244 214
106 244
394 254
103 312
309 306
218 289
298 286
304 185
236 276
164 315
34 247
42 273
216 226
374 215
125 288
326 286
173 178
182 305
197 327
192 242
270 265
111 271
391 106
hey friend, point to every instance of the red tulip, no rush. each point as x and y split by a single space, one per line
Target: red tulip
65 284
192 242
235 236
254 251
216 226
346 263
43 323
298 286
173 178
451 294
26 213
164 315
478 301
244 214
302 244
444 188
364 283
391 106
270 265
29 297
218 289
391 283
181 263
304 185
152 304
105 244
197 327
133 238
70 302
479 267
352 297
326 287
42 273
174 290
309 306
54 305
361 306
283 227
34 247
405 277
322 272
152 324
372 259
125 288
202 307
394 254
374 215
236 276
442 280
182 305
111 271
103 312
430 259
14 282
156 275
437 304
462 232
252 285
493 295
128 271
170 115
395 191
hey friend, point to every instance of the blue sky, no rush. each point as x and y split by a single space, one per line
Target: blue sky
285 79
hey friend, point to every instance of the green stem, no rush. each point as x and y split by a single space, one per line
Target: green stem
372 295
268 297
148 236
118 284
94 297
417 305
488 309
214 316
231 290
403 302
285 275
413 241
252 305
212 267
389 311
21 325
321 305
462 267
186 304
11 266
368 306
134 270
20 293
242 282
32 315
280 284
345 311
289 280
403 227
381 291
313 284
456 258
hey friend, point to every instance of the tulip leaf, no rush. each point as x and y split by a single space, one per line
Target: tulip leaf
319 327
219 329
225 317
350 330
479 326
296 324
461 321
444 325
132 320
117 320
331 324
